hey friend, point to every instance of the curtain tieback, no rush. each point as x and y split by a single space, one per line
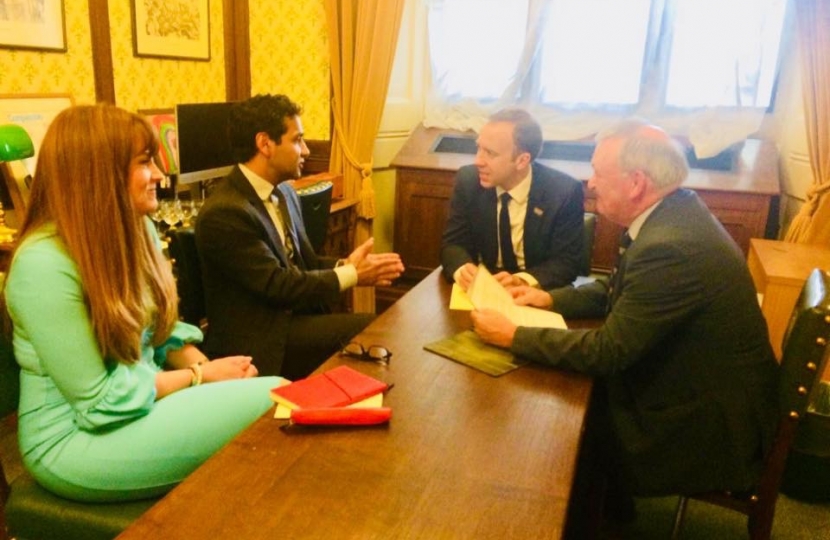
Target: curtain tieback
364 168
814 192
366 205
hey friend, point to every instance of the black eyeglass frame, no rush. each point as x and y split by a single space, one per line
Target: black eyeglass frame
365 353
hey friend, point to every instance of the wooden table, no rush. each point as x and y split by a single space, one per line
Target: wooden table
466 455
779 270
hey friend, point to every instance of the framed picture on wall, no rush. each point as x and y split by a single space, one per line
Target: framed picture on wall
171 29
33 25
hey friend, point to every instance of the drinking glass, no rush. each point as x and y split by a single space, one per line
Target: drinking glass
171 212
187 212
156 216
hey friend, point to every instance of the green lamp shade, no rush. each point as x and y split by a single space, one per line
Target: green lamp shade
15 143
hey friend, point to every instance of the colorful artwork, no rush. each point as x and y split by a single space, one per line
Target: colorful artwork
164 120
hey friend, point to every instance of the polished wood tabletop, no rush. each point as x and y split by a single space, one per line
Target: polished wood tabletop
466 455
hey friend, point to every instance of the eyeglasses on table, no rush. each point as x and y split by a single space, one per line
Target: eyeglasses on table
372 353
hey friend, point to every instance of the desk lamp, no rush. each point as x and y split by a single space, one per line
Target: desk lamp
15 145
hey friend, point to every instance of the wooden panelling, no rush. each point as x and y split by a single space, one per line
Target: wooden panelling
421 212
99 28
237 44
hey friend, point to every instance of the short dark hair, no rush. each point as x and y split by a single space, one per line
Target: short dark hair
261 113
527 133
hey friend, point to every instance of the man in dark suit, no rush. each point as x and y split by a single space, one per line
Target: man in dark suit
266 291
685 373
521 219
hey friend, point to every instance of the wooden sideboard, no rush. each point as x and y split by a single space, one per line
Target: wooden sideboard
779 270
741 199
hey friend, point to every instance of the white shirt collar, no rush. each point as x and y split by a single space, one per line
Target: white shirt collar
263 187
637 224
521 192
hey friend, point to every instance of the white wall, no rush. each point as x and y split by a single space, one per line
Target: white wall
404 110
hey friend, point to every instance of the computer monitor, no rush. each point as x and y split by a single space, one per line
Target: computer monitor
204 149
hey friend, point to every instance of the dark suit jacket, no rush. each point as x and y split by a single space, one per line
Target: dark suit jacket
251 289
684 353
552 230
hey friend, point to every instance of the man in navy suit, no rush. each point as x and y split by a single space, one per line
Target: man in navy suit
266 291
685 399
505 194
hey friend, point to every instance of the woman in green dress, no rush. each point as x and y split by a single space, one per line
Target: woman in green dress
117 402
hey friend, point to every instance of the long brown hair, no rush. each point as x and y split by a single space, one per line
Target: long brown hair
81 183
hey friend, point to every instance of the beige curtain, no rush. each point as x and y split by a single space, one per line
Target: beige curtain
362 39
812 224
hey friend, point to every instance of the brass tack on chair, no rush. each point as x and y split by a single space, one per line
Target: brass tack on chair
754 498
821 341
811 366
802 391
793 415
827 319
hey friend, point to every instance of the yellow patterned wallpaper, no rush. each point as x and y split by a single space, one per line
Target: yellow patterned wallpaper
34 72
289 55
152 83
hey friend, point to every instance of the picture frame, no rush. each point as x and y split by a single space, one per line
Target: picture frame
33 25
176 29
34 113
164 120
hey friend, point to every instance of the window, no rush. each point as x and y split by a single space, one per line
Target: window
728 59
580 63
472 67
577 65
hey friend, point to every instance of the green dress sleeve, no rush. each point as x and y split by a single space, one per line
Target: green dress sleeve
182 333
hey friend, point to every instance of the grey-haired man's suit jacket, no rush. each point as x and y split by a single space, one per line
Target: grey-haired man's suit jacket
684 354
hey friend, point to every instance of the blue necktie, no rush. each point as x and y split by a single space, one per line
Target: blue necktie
508 257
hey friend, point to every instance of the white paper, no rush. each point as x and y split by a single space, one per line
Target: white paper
485 292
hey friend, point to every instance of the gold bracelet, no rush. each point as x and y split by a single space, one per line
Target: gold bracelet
196 379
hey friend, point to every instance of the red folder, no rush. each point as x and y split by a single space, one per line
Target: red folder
337 387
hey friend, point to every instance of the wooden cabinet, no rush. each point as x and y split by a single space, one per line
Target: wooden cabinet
779 270
341 227
740 199
422 207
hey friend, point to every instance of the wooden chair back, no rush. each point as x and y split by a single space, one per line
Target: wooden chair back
188 271
804 356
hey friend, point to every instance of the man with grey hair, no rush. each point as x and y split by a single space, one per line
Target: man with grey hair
685 375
